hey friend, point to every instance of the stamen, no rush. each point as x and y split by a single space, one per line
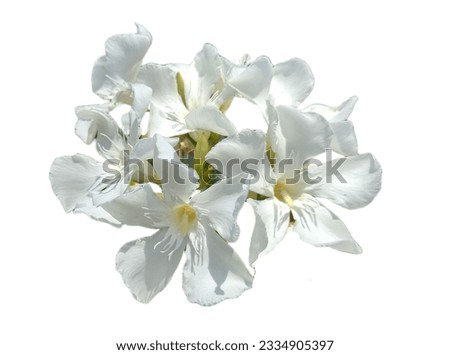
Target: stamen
184 217
282 194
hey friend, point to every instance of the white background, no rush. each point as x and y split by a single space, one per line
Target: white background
60 293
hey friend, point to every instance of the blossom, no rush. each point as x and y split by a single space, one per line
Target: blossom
115 72
194 98
81 182
288 84
202 224
114 76
188 98
285 198
174 162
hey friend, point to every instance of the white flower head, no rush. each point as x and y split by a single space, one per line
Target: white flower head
187 221
82 183
188 171
284 197
188 98
289 84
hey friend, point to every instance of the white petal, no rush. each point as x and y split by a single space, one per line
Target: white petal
92 121
168 112
97 212
334 113
209 118
140 207
165 126
95 122
247 144
297 136
72 177
181 68
253 83
221 204
344 139
141 95
231 69
144 149
118 67
162 80
111 188
292 82
215 274
271 224
113 148
74 180
146 266
244 152
317 225
178 180
355 183
203 75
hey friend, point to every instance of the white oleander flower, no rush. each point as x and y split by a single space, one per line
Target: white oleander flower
82 184
285 197
289 84
193 195
114 76
188 98
194 98
201 224
115 72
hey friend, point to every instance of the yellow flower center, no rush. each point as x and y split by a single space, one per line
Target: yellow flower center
287 193
184 217
282 193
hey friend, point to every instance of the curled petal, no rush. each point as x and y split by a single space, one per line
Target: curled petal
334 114
119 66
141 95
94 120
344 139
253 82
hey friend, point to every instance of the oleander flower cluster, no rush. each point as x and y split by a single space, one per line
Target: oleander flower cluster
172 160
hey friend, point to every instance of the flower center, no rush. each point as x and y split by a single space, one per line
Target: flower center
287 193
282 193
184 217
